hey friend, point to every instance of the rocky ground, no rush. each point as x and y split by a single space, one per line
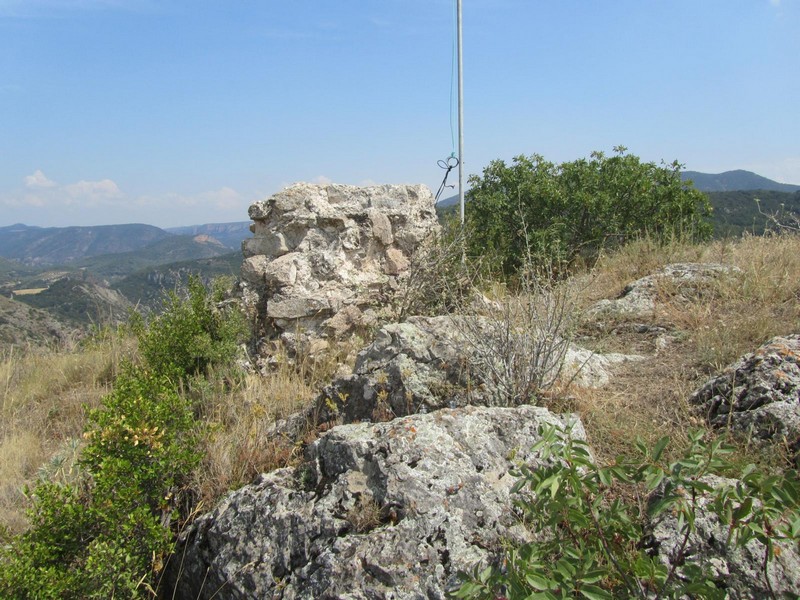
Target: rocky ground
410 482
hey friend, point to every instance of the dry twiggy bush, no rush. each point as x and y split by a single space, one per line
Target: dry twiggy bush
518 341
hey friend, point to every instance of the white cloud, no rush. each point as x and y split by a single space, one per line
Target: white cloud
93 191
33 200
225 198
775 2
38 180
41 191
322 180
96 202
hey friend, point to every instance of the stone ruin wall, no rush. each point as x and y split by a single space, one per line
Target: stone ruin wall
325 258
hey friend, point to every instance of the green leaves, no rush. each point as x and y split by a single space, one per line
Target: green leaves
190 335
590 543
108 535
534 209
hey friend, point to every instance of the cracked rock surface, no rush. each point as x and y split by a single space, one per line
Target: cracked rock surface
759 394
383 510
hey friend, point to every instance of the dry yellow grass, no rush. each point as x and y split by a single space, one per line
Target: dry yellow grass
43 400
732 316
28 292
238 441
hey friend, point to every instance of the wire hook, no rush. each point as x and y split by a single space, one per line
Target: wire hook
450 163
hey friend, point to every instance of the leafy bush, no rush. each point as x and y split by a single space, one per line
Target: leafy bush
573 210
591 543
190 334
109 533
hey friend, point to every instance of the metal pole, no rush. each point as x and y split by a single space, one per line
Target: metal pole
460 119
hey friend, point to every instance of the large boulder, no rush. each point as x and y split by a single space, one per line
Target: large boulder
759 394
322 255
383 510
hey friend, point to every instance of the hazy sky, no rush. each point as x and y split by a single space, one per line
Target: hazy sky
177 112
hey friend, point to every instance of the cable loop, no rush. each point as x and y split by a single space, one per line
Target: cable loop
450 163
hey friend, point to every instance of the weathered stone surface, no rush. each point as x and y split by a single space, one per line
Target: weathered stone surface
688 280
410 367
759 394
427 363
396 261
736 569
590 369
319 249
388 510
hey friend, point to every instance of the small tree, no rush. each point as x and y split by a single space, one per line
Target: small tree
575 209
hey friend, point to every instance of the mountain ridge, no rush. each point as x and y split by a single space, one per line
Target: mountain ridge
734 181
59 245
230 234
727 181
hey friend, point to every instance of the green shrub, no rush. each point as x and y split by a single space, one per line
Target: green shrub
591 542
101 537
573 210
109 533
190 334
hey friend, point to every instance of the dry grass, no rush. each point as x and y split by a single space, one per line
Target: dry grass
43 401
730 317
239 440
43 395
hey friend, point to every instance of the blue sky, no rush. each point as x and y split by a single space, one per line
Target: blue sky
177 112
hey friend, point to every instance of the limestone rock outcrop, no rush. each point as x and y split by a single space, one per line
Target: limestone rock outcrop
759 394
324 255
428 363
687 280
384 510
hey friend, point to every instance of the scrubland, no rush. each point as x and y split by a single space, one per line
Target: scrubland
46 393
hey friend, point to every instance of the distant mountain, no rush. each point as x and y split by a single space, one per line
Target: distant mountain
146 288
230 234
78 301
447 202
174 248
61 245
734 181
11 269
22 325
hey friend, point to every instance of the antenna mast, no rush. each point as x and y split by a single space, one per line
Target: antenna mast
460 119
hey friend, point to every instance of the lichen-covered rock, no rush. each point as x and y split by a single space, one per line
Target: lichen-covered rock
759 394
739 570
386 510
687 280
319 250
416 366
427 363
